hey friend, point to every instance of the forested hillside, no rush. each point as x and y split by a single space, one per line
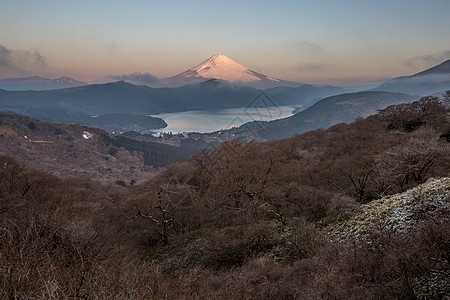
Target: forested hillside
246 220
327 112
82 151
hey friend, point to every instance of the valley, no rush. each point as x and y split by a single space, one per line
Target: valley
221 182
216 120
255 220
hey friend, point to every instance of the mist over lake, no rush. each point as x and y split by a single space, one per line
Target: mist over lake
213 120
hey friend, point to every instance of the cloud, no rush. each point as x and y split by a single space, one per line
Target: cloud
309 71
304 47
309 46
310 67
136 78
38 59
16 62
303 55
5 57
428 60
16 58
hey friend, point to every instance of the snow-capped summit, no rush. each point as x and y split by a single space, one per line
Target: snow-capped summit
222 67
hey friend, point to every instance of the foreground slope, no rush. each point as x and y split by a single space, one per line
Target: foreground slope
397 212
245 221
253 213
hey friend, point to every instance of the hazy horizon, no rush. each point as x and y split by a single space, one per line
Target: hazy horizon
345 44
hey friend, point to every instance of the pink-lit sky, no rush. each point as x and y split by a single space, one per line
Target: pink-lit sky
323 41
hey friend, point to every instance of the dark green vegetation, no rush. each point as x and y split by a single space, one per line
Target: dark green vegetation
116 122
125 122
246 221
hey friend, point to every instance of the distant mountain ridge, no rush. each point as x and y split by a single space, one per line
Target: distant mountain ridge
78 103
323 106
224 68
38 83
95 99
307 92
443 68
428 82
325 113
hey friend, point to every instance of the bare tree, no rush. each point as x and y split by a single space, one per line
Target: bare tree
446 97
164 217
412 160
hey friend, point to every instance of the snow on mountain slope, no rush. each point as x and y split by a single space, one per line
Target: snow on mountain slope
224 68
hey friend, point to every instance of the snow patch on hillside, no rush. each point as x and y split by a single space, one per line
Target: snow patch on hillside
396 212
87 135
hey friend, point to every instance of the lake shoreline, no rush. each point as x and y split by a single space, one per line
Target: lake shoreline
215 120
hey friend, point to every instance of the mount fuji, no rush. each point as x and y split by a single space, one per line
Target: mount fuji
224 68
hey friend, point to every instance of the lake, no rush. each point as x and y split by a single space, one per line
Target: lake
214 120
